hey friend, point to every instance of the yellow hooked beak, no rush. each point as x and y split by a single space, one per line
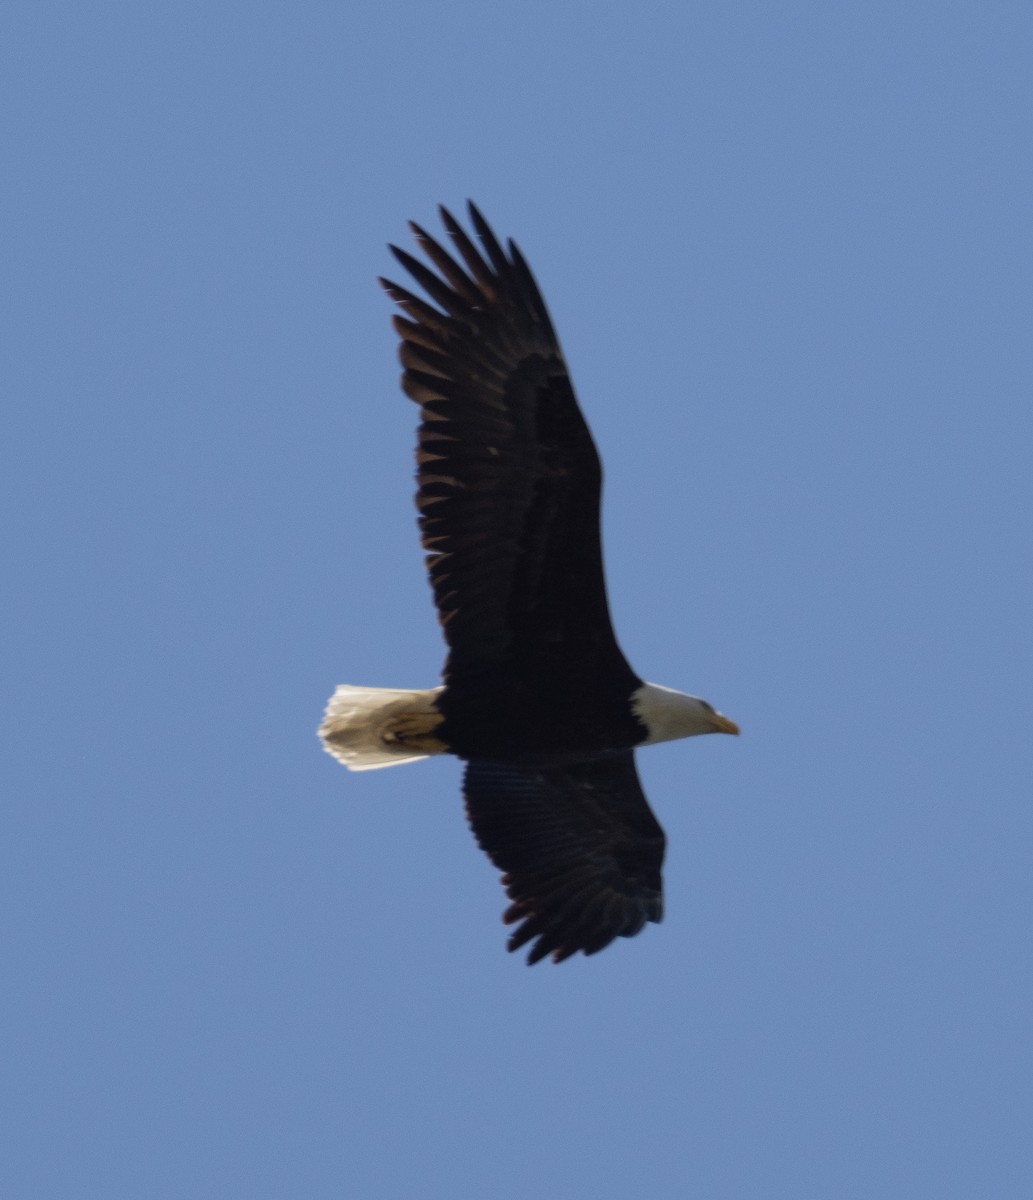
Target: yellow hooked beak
723 725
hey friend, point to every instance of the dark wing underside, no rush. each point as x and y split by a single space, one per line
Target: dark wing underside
579 846
509 479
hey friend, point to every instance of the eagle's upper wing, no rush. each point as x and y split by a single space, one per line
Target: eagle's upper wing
579 846
509 478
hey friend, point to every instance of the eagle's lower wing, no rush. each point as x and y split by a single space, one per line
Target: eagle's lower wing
579 846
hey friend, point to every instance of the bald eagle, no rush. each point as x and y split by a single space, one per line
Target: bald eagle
537 698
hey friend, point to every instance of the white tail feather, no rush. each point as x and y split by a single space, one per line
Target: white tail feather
366 728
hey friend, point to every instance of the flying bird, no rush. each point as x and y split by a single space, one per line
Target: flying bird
536 697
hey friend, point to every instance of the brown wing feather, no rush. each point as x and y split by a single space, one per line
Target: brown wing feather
579 846
509 478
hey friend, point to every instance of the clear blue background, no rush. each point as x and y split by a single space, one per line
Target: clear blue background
787 247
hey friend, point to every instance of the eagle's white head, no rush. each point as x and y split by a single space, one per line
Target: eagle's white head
668 714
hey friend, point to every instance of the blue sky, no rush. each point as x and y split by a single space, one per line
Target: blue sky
787 249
